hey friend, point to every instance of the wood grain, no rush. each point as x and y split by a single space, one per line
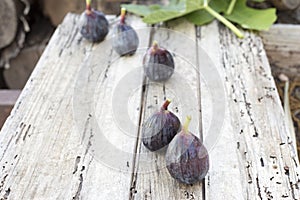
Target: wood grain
75 132
63 166
151 179
251 155
281 43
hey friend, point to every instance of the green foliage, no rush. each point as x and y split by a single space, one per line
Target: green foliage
200 12
156 13
201 17
141 10
250 18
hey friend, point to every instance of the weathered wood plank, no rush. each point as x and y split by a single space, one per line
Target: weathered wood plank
74 132
42 130
39 119
110 142
224 176
263 164
152 180
281 43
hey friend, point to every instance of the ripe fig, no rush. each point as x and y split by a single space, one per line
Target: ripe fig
94 26
160 128
125 40
186 157
158 63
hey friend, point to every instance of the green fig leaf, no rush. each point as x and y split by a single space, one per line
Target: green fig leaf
141 10
192 10
250 18
156 14
201 17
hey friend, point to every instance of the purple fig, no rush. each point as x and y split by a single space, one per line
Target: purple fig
125 40
186 157
158 63
160 128
94 26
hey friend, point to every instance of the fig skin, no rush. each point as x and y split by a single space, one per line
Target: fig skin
187 159
158 63
160 128
93 24
125 40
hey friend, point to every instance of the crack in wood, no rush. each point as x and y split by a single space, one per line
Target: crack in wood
284 196
6 148
108 65
248 108
189 195
70 39
164 91
26 132
258 188
77 194
77 160
134 174
86 127
262 162
135 164
3 182
248 173
233 88
89 144
198 32
268 193
6 194
293 187
132 190
20 133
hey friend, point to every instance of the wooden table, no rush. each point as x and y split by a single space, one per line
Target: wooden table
75 130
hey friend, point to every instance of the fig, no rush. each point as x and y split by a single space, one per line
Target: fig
160 128
158 63
186 157
93 24
125 40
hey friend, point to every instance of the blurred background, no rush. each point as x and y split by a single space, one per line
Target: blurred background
27 25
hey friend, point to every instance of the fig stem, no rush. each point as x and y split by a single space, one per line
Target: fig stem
166 104
154 46
186 124
88 5
230 7
123 13
224 21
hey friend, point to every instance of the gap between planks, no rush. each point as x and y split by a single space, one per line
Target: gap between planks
135 177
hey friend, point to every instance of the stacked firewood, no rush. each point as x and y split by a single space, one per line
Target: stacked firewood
23 36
